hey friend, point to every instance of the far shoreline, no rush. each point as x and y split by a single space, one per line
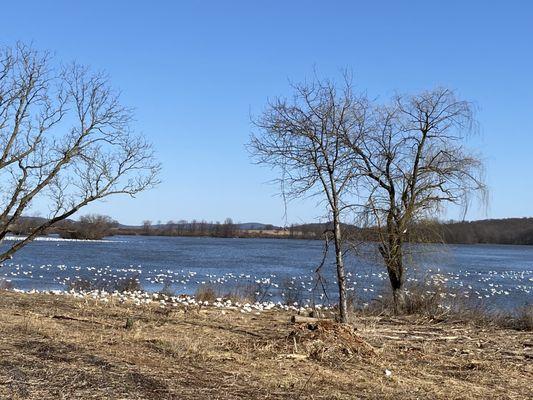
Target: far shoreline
56 237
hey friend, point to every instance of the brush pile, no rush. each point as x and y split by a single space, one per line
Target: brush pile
330 342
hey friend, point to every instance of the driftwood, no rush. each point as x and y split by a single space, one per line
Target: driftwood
298 319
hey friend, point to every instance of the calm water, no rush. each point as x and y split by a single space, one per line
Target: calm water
498 275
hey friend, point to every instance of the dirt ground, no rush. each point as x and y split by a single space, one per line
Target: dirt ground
56 347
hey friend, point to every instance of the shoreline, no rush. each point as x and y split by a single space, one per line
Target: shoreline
163 300
106 239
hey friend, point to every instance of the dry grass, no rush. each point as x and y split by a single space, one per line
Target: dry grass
243 293
436 302
5 285
53 347
125 284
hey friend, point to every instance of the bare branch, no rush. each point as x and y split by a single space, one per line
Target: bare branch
65 139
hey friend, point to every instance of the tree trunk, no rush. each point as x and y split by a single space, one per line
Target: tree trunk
392 253
341 273
398 296
396 277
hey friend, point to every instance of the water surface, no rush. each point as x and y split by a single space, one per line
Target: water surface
499 275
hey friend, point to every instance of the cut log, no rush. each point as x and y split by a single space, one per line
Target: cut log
298 319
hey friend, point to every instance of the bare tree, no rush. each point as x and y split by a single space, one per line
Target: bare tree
65 140
411 162
147 227
229 229
92 226
303 138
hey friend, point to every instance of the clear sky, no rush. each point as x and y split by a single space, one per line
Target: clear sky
195 70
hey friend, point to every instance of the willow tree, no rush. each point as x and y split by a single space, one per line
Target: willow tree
303 139
65 141
411 163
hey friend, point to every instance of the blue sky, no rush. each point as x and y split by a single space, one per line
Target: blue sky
195 70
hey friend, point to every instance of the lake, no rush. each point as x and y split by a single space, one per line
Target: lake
498 275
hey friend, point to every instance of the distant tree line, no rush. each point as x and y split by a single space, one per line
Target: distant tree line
190 228
517 231
96 226
497 231
491 231
90 227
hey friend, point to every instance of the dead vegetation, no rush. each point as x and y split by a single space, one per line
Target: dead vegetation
129 283
246 292
436 302
56 347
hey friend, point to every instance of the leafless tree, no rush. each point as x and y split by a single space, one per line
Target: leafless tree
65 141
147 227
411 162
303 138
92 226
229 229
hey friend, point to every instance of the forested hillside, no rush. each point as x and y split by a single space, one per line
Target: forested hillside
504 231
